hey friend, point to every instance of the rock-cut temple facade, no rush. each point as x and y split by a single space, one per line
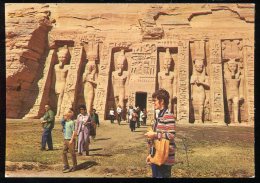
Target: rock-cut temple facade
105 55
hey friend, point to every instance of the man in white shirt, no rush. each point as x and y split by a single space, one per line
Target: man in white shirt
111 115
119 114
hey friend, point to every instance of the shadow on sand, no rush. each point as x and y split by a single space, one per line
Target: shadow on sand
97 149
98 154
102 139
86 165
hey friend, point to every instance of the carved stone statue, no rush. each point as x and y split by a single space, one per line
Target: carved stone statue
167 81
234 87
89 81
198 81
119 78
60 76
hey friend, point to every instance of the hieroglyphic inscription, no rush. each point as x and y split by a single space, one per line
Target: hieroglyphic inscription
101 99
99 102
183 84
249 68
44 87
143 60
70 93
216 81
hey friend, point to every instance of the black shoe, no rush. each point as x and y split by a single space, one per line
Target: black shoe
43 149
66 169
73 169
50 149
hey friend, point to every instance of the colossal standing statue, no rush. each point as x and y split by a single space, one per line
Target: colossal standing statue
119 79
89 81
198 81
167 80
60 75
234 87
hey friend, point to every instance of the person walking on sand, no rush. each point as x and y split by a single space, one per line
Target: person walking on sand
119 114
48 125
83 130
68 145
133 120
95 117
164 127
111 115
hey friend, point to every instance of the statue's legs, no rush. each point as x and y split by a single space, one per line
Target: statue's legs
59 96
230 109
235 109
89 100
201 110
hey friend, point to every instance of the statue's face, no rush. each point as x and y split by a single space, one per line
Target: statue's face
62 58
120 65
199 65
232 67
167 64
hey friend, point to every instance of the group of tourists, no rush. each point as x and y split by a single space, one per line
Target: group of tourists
135 116
160 139
76 132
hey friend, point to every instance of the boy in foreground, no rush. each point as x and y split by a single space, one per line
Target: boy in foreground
69 136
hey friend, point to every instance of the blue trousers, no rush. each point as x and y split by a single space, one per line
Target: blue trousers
46 138
163 171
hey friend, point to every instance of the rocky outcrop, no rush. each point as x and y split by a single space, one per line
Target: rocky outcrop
26 44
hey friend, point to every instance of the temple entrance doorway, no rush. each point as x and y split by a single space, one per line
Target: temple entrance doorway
140 100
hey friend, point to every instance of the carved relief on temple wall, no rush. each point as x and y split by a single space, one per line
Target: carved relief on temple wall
167 77
183 106
209 72
199 82
234 77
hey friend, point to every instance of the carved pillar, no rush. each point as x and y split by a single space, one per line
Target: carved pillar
183 104
73 78
102 81
216 81
249 77
44 85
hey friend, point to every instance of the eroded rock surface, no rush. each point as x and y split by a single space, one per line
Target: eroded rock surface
192 35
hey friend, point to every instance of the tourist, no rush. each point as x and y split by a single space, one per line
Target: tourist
133 120
119 114
129 113
138 116
63 120
141 117
144 116
92 127
68 145
48 124
111 115
166 130
95 117
83 130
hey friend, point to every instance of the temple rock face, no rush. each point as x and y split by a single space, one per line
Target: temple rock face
105 55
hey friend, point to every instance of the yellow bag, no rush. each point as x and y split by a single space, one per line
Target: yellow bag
161 151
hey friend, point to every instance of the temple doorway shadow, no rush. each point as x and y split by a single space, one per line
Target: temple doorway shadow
141 98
